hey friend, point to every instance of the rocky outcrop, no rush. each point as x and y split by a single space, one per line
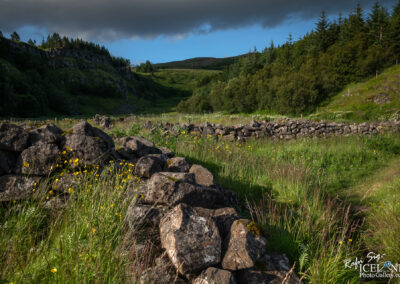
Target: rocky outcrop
284 129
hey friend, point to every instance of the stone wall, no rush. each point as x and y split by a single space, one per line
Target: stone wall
281 129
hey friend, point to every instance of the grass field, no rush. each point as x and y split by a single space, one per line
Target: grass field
320 201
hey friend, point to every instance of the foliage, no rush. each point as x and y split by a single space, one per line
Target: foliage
296 77
146 67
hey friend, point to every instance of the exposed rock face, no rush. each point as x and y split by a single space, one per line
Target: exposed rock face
137 146
244 248
162 189
214 275
148 165
90 145
13 138
38 159
178 164
14 187
202 175
191 241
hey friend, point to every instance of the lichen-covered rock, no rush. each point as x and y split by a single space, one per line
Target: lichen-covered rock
39 159
143 214
136 146
186 177
223 217
202 175
244 247
214 275
47 134
102 121
191 241
89 144
178 164
13 138
8 161
15 187
166 190
148 165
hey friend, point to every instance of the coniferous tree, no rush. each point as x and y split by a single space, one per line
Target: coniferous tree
394 29
15 36
322 32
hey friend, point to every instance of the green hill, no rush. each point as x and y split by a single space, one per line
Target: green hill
375 99
69 77
210 63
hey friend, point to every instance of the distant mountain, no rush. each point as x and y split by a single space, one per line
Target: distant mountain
210 63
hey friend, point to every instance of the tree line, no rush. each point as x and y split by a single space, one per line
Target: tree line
297 76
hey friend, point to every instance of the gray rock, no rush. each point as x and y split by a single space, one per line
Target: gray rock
214 275
15 187
48 134
13 138
148 165
39 159
191 241
138 146
143 215
167 152
244 248
90 145
178 164
223 217
102 121
202 175
163 272
162 189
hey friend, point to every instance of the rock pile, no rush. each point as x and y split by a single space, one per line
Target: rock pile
283 129
204 238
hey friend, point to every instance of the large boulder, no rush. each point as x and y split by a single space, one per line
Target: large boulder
39 159
13 138
47 134
202 175
8 161
191 241
148 165
89 144
214 275
144 215
15 187
178 164
245 246
136 147
166 190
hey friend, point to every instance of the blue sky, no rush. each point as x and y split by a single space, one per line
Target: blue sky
221 43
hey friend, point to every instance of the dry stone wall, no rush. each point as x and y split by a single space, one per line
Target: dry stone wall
203 238
281 129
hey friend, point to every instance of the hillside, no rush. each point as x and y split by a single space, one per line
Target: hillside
375 99
210 63
68 77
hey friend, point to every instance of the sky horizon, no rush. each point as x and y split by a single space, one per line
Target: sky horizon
223 31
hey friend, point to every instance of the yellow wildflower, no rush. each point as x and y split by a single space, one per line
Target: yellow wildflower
112 205
70 190
350 240
340 243
64 152
53 270
93 230
35 184
26 164
51 192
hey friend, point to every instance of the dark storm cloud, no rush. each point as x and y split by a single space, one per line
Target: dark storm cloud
110 19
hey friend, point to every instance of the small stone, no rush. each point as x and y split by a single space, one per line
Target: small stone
148 165
202 175
178 164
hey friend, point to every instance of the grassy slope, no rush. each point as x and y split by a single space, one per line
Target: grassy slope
199 63
177 85
356 103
